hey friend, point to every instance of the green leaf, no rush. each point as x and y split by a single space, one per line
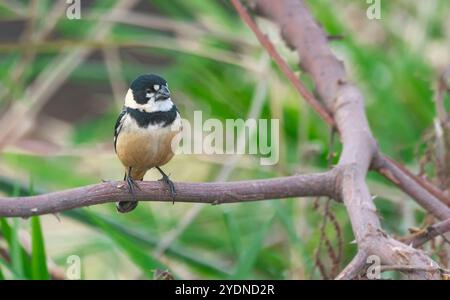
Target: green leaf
248 257
5 229
148 241
295 241
48 170
38 258
19 256
15 249
7 266
142 259
233 229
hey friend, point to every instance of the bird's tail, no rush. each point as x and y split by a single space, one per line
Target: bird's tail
126 206
130 177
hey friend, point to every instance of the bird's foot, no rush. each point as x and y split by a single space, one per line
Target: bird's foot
132 185
171 186
127 206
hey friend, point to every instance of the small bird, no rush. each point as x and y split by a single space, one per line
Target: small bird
144 131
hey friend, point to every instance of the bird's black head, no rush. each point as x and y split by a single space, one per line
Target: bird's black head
149 86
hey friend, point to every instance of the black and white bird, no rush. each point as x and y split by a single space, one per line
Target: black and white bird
144 131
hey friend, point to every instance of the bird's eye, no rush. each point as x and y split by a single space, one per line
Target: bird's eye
148 91
156 87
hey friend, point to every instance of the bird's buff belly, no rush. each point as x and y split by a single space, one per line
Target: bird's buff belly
144 150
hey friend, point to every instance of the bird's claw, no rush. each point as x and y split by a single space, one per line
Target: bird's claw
132 185
127 206
171 186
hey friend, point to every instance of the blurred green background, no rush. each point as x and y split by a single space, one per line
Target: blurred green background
62 84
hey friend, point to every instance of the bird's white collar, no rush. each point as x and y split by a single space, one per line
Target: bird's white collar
150 106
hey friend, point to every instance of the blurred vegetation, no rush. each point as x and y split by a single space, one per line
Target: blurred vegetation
213 64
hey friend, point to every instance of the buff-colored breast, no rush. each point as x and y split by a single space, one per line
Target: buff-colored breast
144 149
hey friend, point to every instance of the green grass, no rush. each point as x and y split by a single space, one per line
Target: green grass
38 257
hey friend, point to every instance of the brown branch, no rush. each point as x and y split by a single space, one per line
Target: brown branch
323 184
430 233
407 268
317 106
440 148
426 197
354 268
344 100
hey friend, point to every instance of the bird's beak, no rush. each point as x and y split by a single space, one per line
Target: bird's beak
162 94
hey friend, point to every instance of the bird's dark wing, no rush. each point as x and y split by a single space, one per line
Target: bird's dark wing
118 126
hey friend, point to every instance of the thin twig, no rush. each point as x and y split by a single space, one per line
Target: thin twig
406 268
429 233
266 43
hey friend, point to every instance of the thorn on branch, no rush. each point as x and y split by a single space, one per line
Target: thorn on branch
336 37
